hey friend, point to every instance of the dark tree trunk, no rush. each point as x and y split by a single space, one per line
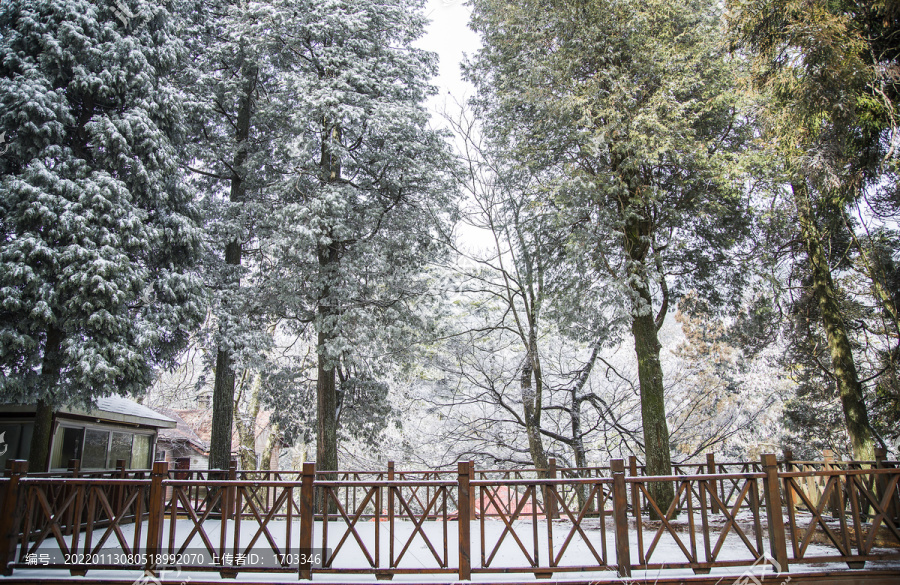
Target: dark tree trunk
41 437
326 389
531 403
39 453
650 375
326 402
223 413
328 256
223 389
581 491
856 415
653 409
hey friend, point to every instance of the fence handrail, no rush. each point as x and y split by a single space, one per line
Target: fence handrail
33 508
695 477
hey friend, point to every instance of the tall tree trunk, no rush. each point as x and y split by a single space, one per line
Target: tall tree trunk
581 490
223 388
653 409
531 403
265 460
41 437
223 412
245 422
326 402
328 256
577 435
39 452
650 374
856 415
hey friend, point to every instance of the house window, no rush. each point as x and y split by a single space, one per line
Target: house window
140 452
100 448
96 446
72 443
120 448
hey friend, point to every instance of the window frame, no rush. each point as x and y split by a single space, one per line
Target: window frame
109 429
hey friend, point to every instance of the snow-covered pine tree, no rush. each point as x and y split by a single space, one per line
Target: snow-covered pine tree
99 233
235 134
367 190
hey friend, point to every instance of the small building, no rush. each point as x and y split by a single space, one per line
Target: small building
184 441
117 428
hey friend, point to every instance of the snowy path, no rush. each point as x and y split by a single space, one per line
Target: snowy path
419 556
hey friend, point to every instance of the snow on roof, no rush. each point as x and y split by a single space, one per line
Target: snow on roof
183 431
124 410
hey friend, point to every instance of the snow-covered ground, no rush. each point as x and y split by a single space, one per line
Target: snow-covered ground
350 555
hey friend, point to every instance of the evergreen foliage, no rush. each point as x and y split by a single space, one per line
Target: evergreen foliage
99 232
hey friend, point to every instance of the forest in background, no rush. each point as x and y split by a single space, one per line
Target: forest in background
658 228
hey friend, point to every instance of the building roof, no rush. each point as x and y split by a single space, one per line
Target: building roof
107 409
119 409
183 431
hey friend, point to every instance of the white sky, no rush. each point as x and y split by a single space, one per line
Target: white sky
449 36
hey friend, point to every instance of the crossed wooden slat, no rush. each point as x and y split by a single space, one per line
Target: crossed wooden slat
351 524
816 511
264 523
508 529
496 492
178 492
880 508
731 523
97 494
417 524
53 520
665 521
576 526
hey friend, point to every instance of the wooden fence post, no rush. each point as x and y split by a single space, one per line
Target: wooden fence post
231 491
635 494
464 498
10 510
834 500
390 510
552 507
473 502
157 513
788 466
788 457
892 509
307 518
777 537
620 517
74 470
121 473
713 484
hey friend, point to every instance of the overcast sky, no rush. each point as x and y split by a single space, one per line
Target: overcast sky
449 36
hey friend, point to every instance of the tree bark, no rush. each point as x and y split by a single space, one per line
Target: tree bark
578 449
245 423
41 437
265 460
328 256
531 403
653 409
581 490
223 389
326 402
856 415
39 452
650 374
223 412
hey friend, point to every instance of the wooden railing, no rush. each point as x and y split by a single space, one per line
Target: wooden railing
540 522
